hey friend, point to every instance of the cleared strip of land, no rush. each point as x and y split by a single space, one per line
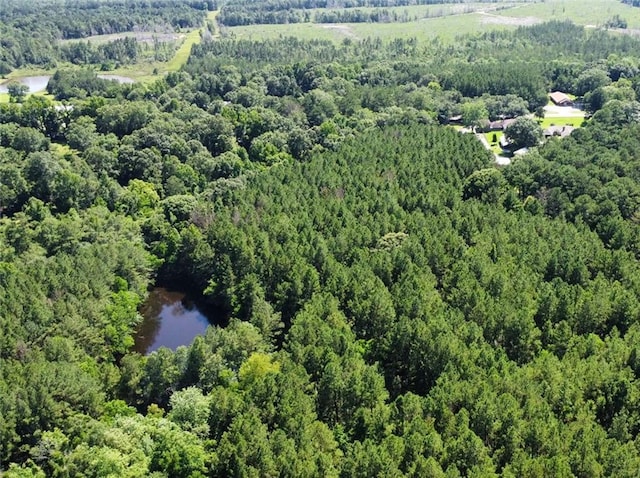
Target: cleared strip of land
151 71
194 37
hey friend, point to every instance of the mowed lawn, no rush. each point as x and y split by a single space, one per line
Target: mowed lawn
548 121
561 121
495 145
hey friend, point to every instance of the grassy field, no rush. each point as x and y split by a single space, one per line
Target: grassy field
147 72
561 121
143 72
182 55
495 145
417 12
446 28
447 21
582 12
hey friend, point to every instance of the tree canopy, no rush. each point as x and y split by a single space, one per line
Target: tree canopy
395 303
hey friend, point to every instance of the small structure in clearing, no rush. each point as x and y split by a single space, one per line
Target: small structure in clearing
561 131
504 142
560 99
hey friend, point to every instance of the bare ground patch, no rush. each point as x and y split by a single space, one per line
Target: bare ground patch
489 18
143 37
344 30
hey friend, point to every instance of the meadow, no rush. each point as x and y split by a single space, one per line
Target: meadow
143 71
446 28
448 21
593 13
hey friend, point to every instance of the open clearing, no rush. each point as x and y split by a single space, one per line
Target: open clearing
574 121
143 37
562 111
562 116
493 19
151 71
449 20
342 29
182 55
582 12
144 72
446 28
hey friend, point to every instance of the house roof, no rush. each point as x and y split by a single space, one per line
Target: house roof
508 122
500 124
559 97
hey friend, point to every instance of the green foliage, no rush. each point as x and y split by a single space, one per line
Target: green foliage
396 306
474 113
485 184
524 132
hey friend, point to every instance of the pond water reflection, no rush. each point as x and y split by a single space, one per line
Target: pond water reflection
34 83
39 83
171 319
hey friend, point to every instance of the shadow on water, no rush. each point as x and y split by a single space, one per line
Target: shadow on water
171 318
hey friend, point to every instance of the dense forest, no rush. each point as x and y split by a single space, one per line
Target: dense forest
395 304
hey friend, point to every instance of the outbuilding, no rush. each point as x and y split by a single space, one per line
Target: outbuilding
560 99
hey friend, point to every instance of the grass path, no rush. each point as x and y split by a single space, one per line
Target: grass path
192 38
182 55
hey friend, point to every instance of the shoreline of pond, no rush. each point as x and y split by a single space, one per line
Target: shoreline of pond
172 318
38 83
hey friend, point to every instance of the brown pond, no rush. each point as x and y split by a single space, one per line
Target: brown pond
171 319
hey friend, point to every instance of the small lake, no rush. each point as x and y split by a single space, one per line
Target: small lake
171 319
34 83
39 83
